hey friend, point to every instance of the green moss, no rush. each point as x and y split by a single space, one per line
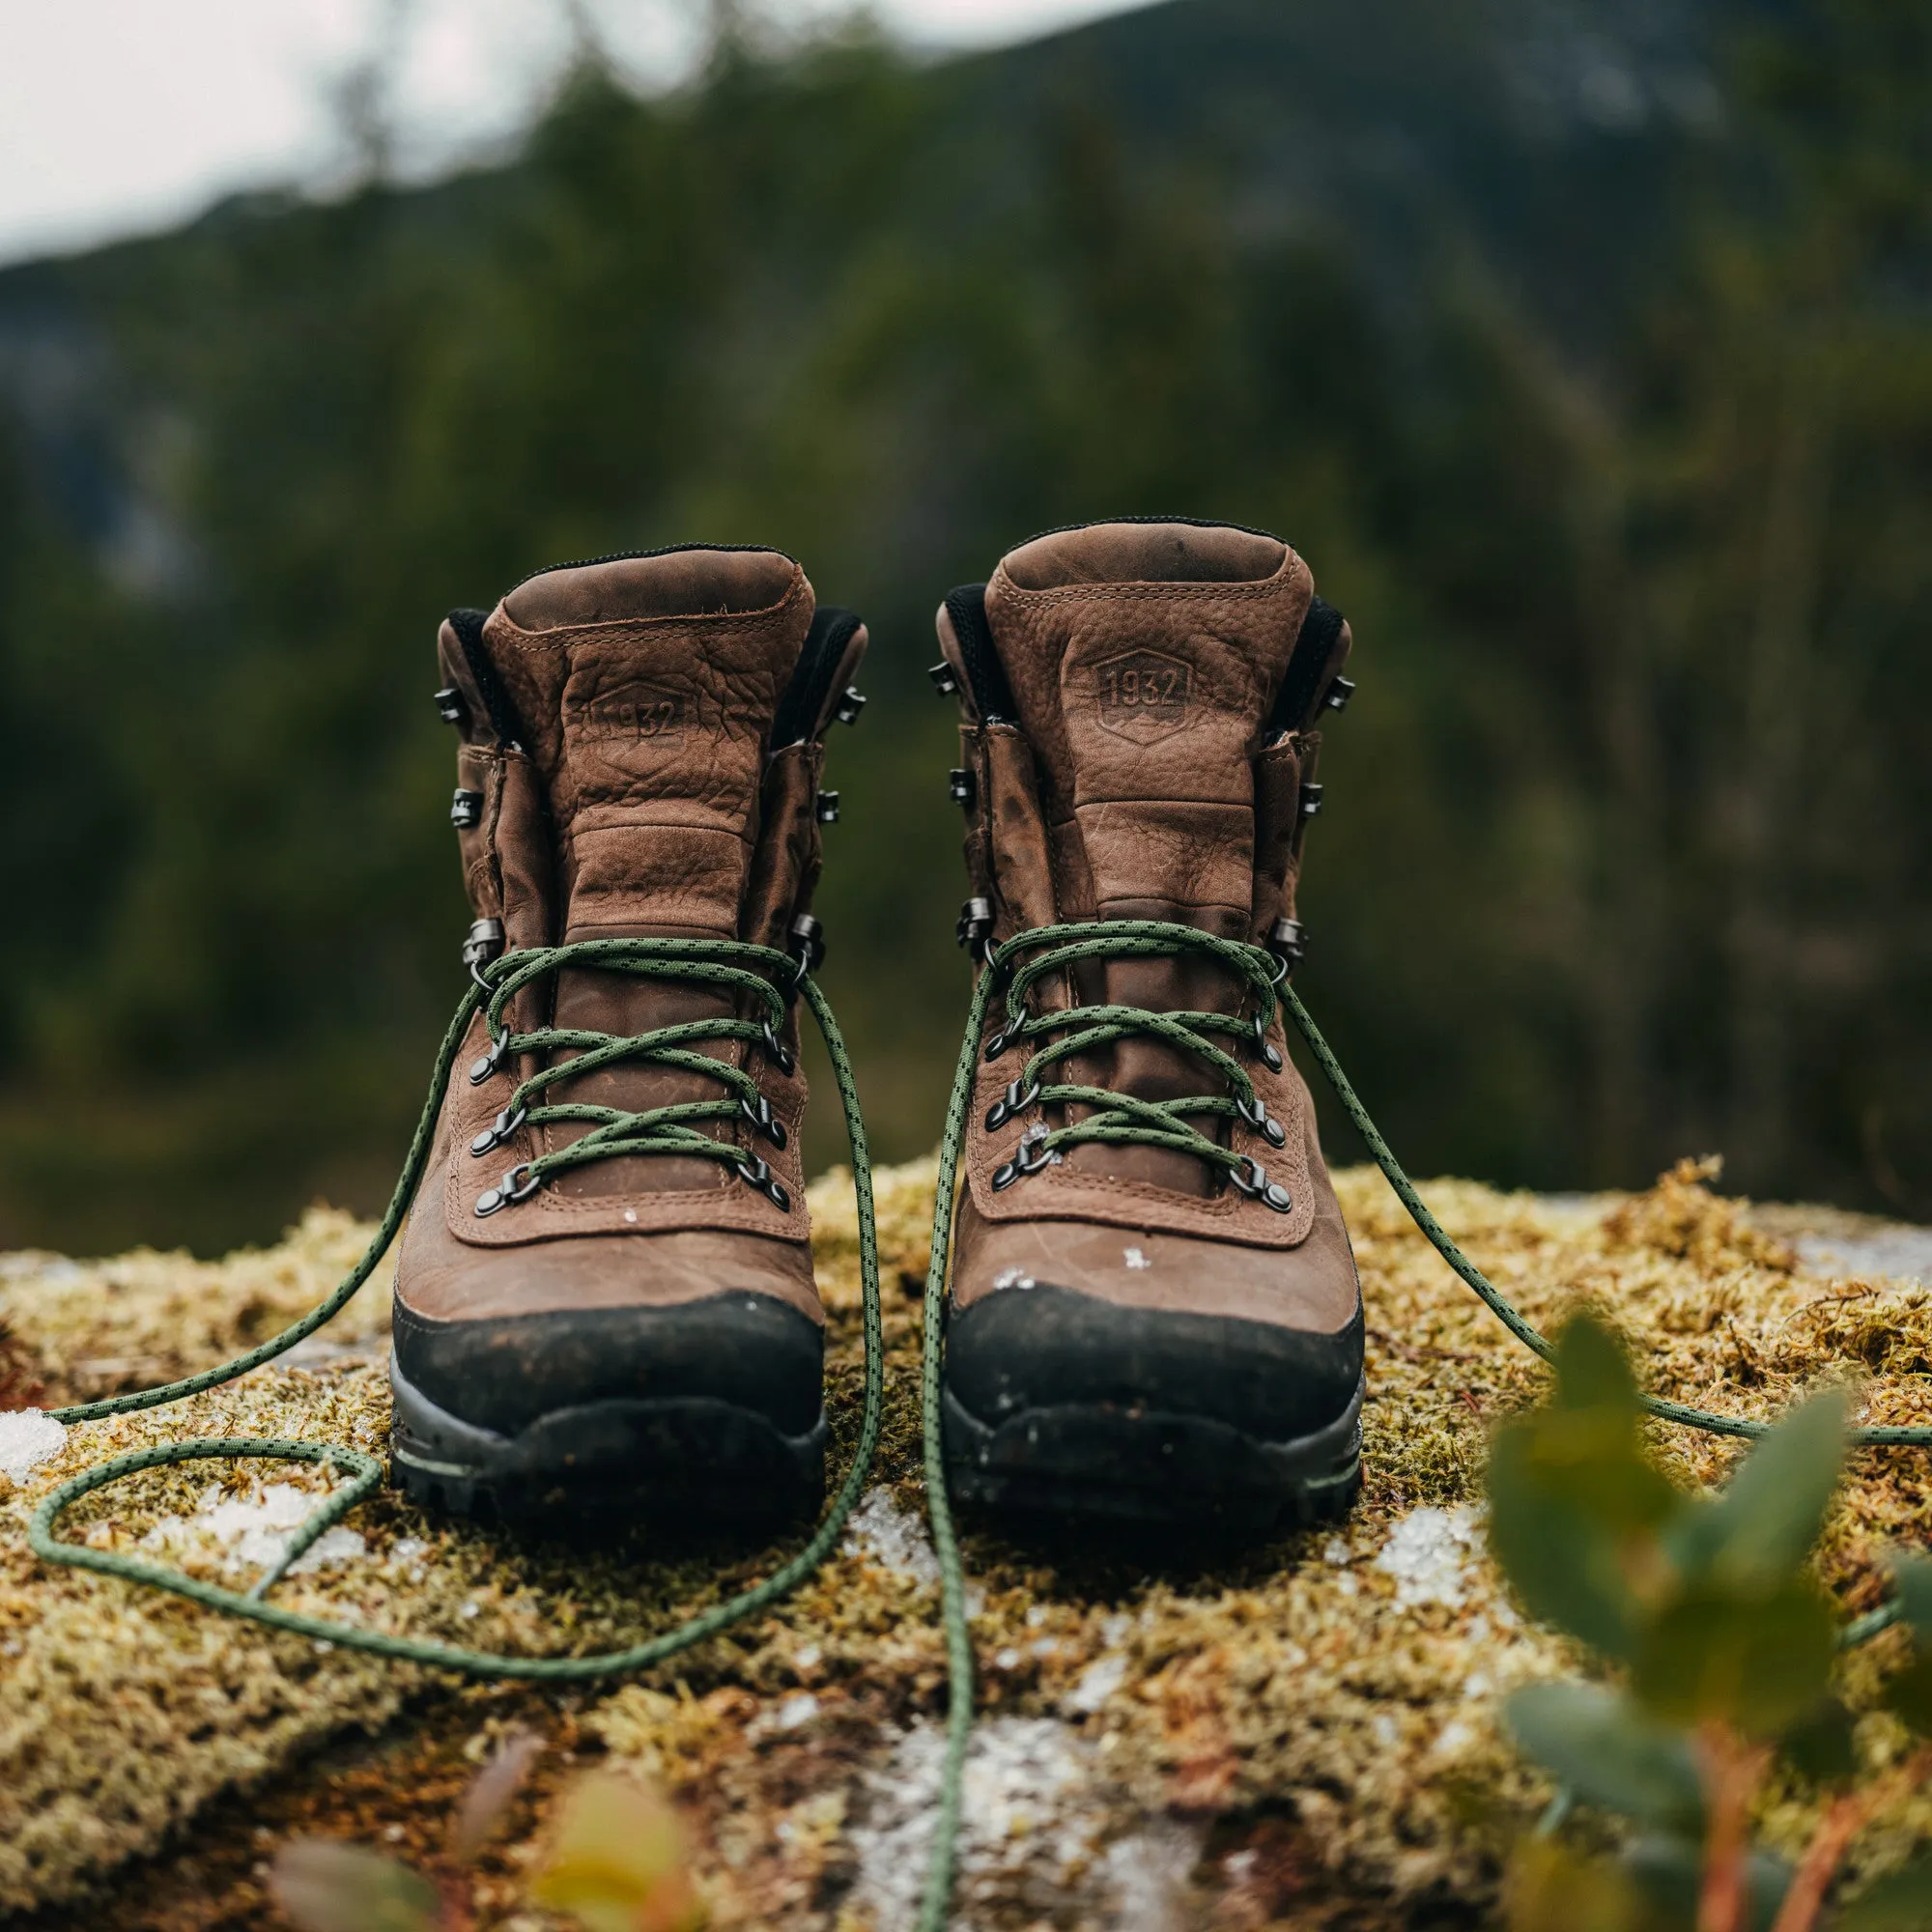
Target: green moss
1308 1733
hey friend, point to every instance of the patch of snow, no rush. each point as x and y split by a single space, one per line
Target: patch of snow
808 1657
1387 1732
1095 1685
259 1528
1899 1254
28 1437
894 1537
1147 1874
1136 1258
795 1710
1030 1806
1335 1551
1428 1554
1454 1736
1014 1278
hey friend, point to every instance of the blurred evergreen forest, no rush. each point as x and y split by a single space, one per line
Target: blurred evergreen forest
1585 349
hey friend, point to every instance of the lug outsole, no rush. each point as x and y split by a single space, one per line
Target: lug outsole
1101 1464
692 1461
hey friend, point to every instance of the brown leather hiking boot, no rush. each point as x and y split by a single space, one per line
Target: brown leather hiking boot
1153 1310
605 1290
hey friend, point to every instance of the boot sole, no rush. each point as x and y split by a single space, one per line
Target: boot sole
1102 1464
691 1460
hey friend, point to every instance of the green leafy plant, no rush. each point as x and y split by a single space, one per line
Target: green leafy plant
1723 1643
618 1862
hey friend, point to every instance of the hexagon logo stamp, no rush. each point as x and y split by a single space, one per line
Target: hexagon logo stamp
1143 694
632 714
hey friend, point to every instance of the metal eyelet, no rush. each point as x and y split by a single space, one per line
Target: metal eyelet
758 1173
759 1116
483 943
1268 1053
482 1068
776 1050
1019 1096
974 924
1262 1120
1029 1157
507 1191
1251 1178
805 942
1031 1154
497 1131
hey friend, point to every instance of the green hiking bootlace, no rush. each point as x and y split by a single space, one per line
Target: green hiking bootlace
732 966
744 969
1124 1121
616 1131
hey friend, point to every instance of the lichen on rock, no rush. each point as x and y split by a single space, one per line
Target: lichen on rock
1168 1739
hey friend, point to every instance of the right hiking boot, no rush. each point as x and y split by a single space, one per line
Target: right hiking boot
1152 1311
637 1332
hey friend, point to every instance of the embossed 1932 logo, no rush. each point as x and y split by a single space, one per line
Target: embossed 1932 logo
634 712
1143 694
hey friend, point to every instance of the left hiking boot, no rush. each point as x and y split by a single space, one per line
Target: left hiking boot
1153 1305
604 1299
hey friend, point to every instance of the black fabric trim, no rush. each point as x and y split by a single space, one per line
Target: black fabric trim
818 660
1294 702
468 628
984 672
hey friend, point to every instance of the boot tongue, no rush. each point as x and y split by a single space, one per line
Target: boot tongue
646 688
644 691
1143 659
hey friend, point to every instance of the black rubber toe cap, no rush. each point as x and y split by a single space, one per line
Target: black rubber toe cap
1037 1347
752 1351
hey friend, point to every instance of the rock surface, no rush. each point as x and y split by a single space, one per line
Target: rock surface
1303 1735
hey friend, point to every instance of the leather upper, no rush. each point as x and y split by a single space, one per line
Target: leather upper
617 720
1140 770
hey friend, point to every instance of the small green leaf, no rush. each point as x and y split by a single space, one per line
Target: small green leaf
1552 1888
1668 1872
1609 1752
1909 1695
1899 1902
1563 1562
326 1886
1819 1744
1756 1663
619 1860
1592 1369
1761 1528
1914 1574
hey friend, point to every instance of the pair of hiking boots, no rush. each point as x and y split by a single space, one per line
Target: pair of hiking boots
605 1295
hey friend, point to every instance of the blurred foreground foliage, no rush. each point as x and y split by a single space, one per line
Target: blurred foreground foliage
1614 439
1725 1644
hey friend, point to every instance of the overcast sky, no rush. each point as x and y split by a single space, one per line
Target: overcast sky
119 116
